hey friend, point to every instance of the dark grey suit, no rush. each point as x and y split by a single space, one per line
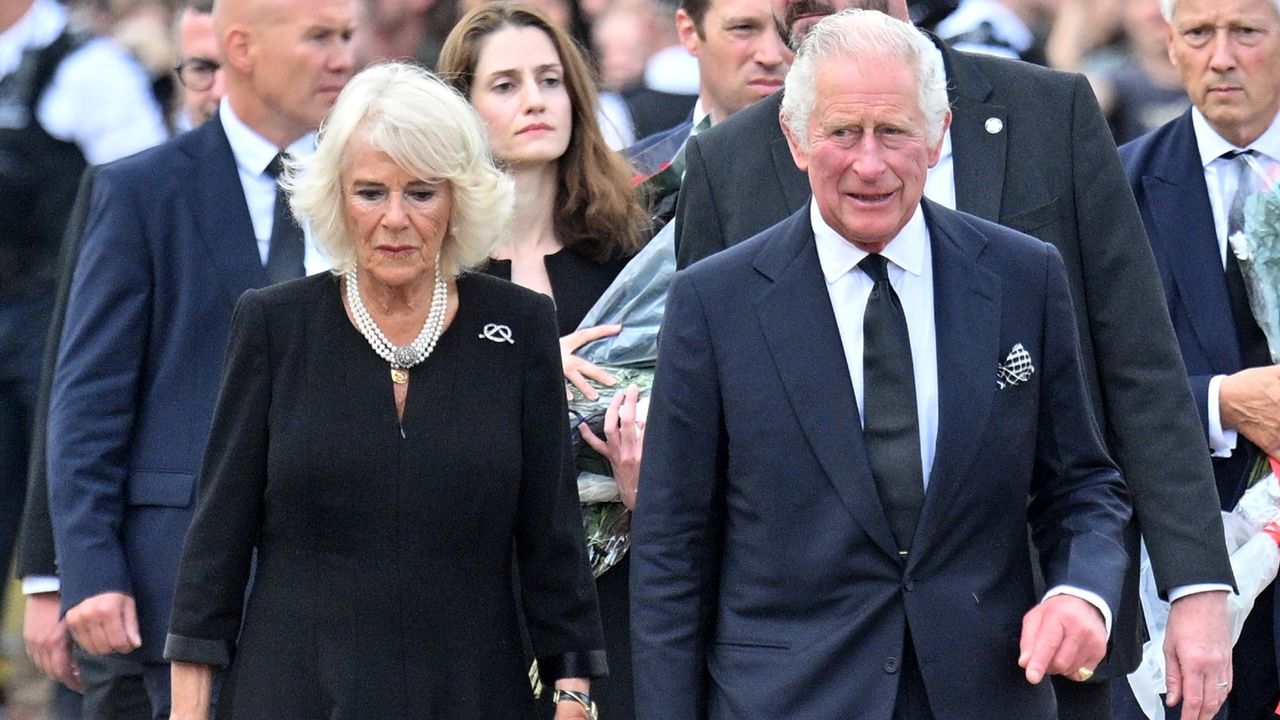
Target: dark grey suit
1032 152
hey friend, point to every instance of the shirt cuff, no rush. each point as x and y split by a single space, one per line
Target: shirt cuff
36 584
1184 590
1092 598
1221 440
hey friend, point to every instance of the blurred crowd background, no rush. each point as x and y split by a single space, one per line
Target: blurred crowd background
1118 44
649 82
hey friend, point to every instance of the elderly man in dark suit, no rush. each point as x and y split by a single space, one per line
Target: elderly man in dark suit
174 237
856 414
1191 178
1029 149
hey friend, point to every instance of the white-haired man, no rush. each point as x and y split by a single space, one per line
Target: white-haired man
1191 178
856 415
1028 148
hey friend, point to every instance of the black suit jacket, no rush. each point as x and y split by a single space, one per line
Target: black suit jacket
1031 151
765 580
35 540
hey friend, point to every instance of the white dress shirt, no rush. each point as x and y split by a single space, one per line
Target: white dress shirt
1220 178
910 267
253 153
99 97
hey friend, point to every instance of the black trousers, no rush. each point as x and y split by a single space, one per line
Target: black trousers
115 688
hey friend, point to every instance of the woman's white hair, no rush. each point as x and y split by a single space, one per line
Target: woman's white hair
855 34
431 132
1167 8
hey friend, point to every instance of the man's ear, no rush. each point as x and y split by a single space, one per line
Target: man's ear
798 154
935 152
237 49
687 31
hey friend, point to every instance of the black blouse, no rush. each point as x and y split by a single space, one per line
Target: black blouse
577 282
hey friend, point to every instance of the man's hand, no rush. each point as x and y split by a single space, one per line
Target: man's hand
105 623
1249 401
48 643
1197 653
1060 636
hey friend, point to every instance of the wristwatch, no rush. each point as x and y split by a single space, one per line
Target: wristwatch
581 698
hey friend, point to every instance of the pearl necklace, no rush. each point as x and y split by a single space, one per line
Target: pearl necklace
406 356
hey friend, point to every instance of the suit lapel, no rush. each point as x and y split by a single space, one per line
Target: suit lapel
967 321
1184 234
221 215
794 184
800 330
978 155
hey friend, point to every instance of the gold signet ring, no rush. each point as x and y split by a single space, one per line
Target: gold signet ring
1083 674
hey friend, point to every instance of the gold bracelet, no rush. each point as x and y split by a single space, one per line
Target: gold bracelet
581 698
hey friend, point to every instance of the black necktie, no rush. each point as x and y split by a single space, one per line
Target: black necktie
1253 344
890 426
287 251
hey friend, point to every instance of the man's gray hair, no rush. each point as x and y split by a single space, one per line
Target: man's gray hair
431 132
855 34
1167 6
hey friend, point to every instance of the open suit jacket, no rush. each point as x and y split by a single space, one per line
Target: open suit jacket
766 582
1167 177
168 249
1031 151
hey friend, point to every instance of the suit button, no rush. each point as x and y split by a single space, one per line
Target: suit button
891 665
908 584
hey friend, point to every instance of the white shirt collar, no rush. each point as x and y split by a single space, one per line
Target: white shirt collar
1212 145
838 256
700 113
38 27
253 153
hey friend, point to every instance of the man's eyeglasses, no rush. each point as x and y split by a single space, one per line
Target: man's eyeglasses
197 74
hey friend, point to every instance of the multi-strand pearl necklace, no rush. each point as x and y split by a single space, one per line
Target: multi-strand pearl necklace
406 356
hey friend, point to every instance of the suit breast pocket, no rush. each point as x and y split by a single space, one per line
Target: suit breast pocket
1035 220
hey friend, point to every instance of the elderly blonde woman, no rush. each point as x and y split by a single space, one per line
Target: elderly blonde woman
385 435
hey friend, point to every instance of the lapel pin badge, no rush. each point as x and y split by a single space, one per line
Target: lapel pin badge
994 125
497 333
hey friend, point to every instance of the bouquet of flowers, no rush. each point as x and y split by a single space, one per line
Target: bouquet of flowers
635 300
1257 249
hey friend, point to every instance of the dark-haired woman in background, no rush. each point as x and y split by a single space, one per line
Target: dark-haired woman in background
577 221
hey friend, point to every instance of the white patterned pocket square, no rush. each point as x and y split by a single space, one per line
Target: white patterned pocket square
1016 368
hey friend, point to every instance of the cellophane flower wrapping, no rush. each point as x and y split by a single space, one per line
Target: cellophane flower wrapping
636 300
1257 249
1255 558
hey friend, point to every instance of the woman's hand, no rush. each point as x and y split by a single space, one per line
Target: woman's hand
577 370
624 440
192 689
571 709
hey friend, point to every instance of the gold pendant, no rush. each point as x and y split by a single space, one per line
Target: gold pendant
399 376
